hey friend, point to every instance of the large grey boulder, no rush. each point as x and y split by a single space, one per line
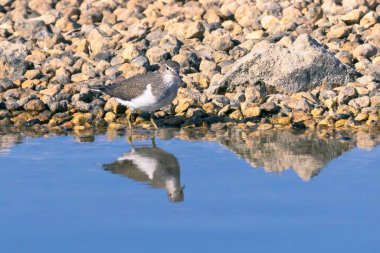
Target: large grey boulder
12 60
303 66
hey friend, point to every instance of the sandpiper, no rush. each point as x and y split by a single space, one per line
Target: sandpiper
146 92
151 165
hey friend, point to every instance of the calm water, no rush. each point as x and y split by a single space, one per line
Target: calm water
190 191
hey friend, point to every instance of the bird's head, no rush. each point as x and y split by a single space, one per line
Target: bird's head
171 66
177 195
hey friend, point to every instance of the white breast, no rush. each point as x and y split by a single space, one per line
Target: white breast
143 163
142 102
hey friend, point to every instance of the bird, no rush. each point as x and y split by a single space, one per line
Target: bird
151 165
146 92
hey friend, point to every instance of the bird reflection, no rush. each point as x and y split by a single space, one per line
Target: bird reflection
151 165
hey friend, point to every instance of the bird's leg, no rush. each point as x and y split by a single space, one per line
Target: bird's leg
129 121
152 120
152 138
130 140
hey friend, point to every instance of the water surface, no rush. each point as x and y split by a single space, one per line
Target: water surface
190 191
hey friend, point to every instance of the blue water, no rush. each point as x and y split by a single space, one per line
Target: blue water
56 196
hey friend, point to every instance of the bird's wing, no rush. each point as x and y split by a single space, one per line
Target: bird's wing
128 89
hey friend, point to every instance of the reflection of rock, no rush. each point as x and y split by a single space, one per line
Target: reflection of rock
276 151
153 166
8 140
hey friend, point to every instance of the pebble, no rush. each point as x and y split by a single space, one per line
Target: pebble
46 82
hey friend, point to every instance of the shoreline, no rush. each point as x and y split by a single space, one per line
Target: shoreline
50 57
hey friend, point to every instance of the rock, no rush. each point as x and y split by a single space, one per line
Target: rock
131 51
269 107
60 106
6 84
283 121
268 21
186 30
175 121
114 106
316 112
157 54
247 15
251 111
171 44
35 105
375 101
365 50
344 56
80 119
210 108
361 116
346 94
255 94
368 20
184 104
360 102
12 60
110 117
40 6
353 17
302 67
207 65
219 39
338 32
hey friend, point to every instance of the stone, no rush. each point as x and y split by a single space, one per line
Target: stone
247 15
157 54
210 108
361 116
327 122
80 119
268 21
236 114
295 69
114 106
219 39
283 121
35 105
12 60
6 84
360 102
338 32
368 19
186 30
184 104
352 17
131 51
345 57
365 50
346 94
316 112
251 111
269 107
110 117
375 101
340 123
255 94
174 121
60 106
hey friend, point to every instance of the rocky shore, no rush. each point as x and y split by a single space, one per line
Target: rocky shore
247 64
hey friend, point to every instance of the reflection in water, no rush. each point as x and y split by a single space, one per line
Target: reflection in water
275 151
8 140
151 165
